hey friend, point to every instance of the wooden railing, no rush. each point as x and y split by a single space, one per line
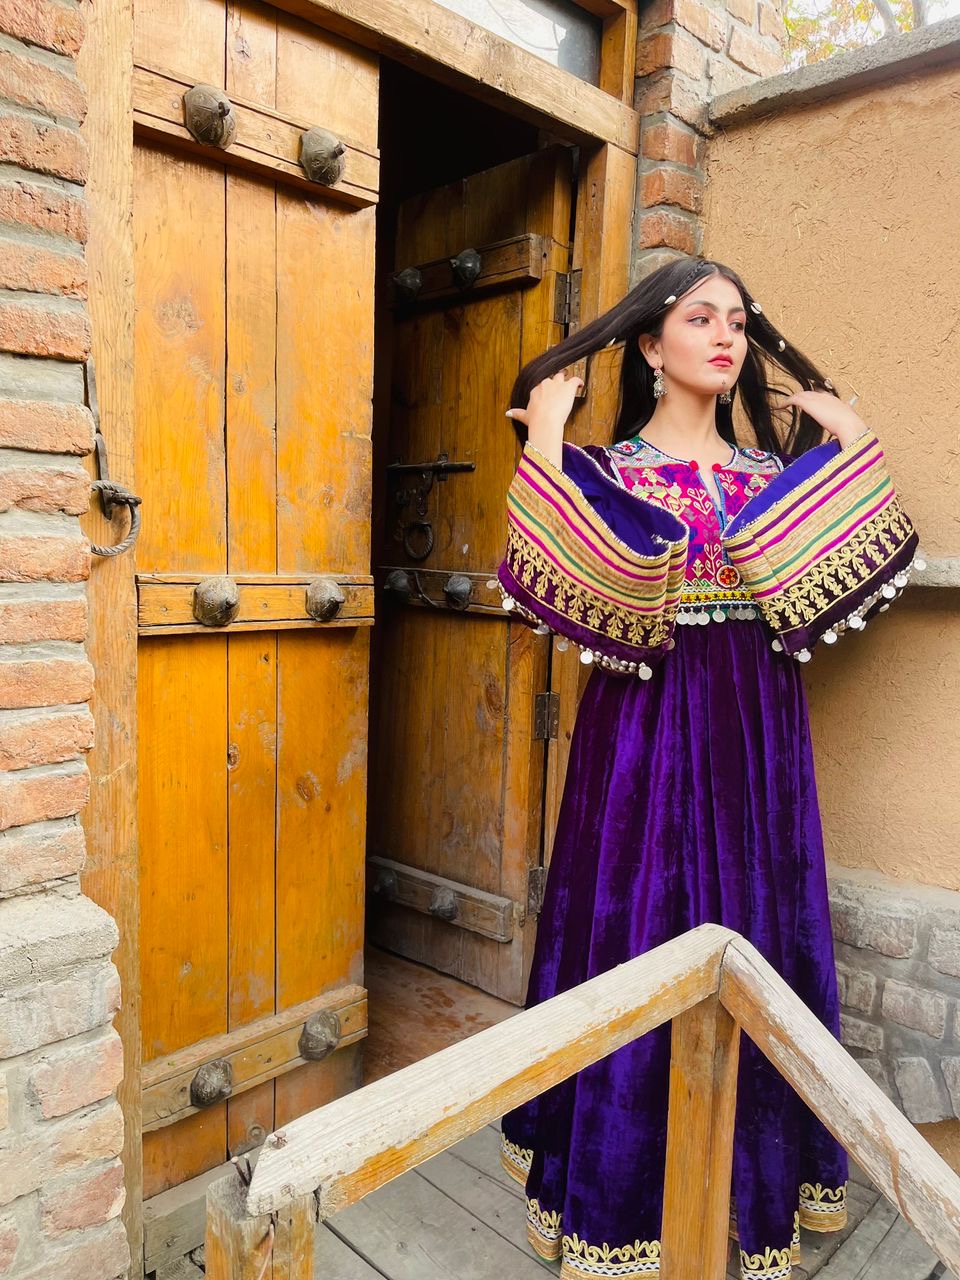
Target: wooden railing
711 982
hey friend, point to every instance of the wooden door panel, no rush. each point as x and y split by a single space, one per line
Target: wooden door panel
457 782
179 215
254 354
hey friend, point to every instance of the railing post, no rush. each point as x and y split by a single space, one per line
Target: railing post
703 1092
277 1246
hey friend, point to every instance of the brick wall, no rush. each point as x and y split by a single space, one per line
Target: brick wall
688 52
61 1182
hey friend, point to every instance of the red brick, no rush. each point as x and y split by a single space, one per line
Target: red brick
46 427
670 92
666 185
29 559
44 1012
44 738
9 1242
33 329
39 87
706 24
771 22
724 77
49 23
56 1148
49 489
44 208
34 855
68 1079
749 52
658 227
85 1201
27 797
34 268
666 49
666 140
101 1254
27 621
48 148
44 682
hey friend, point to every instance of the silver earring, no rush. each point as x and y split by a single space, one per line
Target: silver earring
726 396
659 386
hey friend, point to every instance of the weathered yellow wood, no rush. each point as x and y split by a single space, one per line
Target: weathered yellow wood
257 1052
111 872
238 1247
700 1118
480 63
485 913
165 604
267 143
907 1169
356 1144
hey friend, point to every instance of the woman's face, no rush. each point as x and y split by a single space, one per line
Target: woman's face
704 341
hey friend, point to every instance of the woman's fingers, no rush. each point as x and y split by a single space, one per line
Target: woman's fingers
518 415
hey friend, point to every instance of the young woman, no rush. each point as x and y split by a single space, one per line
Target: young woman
690 792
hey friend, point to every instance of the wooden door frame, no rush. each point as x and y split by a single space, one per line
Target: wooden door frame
444 46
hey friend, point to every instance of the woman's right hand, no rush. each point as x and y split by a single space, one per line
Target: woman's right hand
546 414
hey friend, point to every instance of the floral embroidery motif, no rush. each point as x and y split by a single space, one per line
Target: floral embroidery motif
515 1159
544 1227
641 1258
823 1208
672 484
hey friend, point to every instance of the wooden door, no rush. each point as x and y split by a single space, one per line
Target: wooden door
461 715
254 326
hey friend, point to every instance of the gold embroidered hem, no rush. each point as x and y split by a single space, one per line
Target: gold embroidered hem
820 1209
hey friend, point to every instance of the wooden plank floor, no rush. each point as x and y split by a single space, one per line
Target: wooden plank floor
459 1216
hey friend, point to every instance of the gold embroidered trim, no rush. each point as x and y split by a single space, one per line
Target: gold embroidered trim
628 1262
544 1228
823 1208
838 573
515 1159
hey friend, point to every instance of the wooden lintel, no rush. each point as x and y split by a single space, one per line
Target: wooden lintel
519 260
266 142
165 604
488 914
260 1051
423 33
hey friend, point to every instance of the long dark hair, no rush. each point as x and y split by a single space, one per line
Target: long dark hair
642 311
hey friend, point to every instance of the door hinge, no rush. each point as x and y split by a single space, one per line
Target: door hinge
536 879
546 716
566 309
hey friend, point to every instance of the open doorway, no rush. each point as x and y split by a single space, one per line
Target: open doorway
474 244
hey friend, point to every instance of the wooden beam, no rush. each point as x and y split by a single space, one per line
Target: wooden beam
703 1092
856 1111
266 602
111 873
431 582
266 143
357 1143
238 1247
488 914
518 260
260 1051
428 37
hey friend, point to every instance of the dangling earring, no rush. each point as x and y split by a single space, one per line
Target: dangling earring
726 396
659 386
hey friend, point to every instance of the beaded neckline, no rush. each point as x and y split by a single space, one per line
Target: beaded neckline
641 439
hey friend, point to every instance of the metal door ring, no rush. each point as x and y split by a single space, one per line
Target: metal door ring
113 493
425 529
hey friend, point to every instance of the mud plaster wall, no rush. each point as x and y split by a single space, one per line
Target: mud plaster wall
843 220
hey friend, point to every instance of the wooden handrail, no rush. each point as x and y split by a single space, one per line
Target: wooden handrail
710 982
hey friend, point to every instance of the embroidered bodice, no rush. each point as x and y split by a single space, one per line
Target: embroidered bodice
713 587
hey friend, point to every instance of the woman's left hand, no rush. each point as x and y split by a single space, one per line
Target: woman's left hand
834 415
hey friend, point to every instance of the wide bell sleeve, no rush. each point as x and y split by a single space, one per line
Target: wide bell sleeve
825 545
589 561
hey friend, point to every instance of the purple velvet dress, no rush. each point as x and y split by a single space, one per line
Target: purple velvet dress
690 797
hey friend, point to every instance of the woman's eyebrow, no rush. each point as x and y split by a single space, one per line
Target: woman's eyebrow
702 302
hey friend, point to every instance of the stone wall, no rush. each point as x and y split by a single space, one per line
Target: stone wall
61 1129
898 962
